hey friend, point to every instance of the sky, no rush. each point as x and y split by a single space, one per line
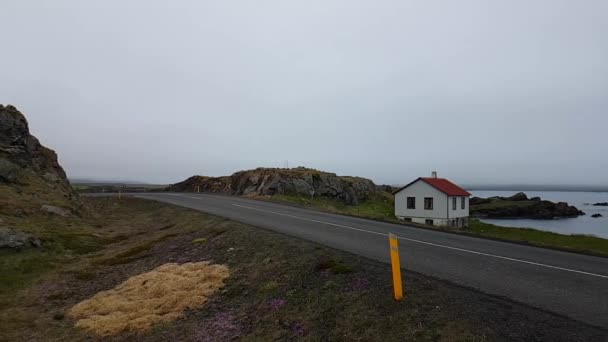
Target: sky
497 91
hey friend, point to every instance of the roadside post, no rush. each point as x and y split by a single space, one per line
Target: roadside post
396 265
120 189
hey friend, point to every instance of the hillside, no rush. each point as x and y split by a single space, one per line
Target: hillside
274 181
34 189
30 175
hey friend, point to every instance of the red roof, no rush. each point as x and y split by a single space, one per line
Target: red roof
442 185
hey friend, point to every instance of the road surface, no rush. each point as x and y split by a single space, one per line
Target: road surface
569 284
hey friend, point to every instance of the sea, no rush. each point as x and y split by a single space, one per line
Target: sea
580 225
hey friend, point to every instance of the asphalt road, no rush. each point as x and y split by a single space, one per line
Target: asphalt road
569 284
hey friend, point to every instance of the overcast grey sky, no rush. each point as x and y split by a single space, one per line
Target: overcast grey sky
481 91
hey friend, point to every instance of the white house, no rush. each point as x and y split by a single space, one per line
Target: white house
433 201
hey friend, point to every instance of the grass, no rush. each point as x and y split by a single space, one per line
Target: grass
381 207
280 288
573 243
133 253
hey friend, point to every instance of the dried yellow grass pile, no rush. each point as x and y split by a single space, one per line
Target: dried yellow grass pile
161 295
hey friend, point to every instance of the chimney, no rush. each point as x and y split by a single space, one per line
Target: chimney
434 174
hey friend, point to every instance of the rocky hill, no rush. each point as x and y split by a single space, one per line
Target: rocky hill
274 181
31 178
520 206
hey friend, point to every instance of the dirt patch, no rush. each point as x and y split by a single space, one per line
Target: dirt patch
160 295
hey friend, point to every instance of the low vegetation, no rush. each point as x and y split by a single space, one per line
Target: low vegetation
161 295
574 243
381 207
322 294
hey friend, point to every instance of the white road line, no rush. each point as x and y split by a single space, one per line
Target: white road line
428 243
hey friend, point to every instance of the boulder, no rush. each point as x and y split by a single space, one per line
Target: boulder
11 238
56 210
520 196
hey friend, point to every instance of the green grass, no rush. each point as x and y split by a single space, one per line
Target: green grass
575 243
381 207
133 253
378 207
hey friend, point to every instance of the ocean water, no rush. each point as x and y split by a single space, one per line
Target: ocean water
580 225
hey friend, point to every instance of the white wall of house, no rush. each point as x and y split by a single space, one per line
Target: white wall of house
442 214
420 190
459 212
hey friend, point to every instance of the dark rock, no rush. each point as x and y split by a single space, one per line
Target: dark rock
270 181
479 200
536 199
507 208
24 163
596 215
8 171
601 204
11 238
520 196
23 150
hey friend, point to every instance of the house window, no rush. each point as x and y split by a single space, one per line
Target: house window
453 203
429 222
411 202
462 202
428 203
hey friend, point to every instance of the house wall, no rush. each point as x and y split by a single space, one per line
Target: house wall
442 213
459 212
420 190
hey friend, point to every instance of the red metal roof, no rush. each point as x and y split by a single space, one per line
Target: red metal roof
446 186
442 185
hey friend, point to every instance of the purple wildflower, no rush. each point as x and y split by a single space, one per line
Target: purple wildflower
222 327
298 329
276 304
359 284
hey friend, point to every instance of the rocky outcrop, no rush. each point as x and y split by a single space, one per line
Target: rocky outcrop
601 204
30 174
520 196
20 150
596 215
273 181
519 206
13 239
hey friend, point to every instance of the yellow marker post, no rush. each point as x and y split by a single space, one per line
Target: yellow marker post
396 265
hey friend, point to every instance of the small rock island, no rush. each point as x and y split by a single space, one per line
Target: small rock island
520 206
